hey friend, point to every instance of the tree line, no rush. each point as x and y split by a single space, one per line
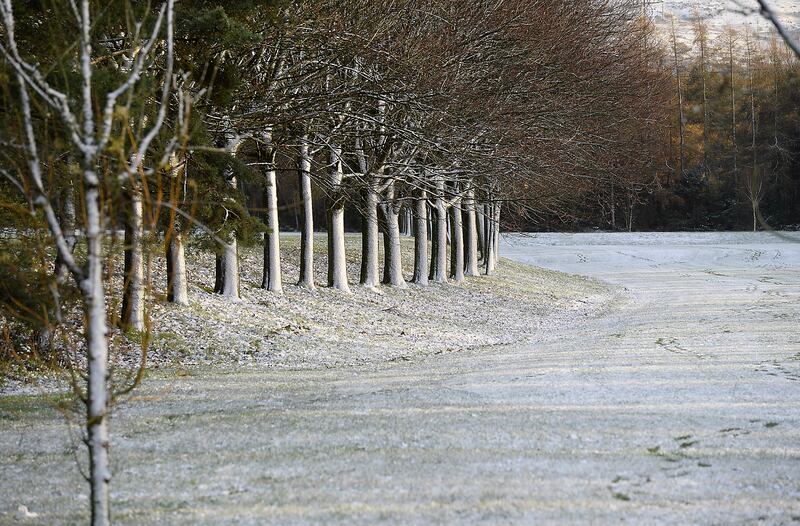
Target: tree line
726 155
127 125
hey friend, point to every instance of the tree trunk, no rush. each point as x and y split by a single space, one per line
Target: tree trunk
337 262
456 242
177 284
272 279
439 250
61 274
227 279
369 239
421 240
734 143
491 245
69 218
96 330
406 227
471 236
393 267
496 234
754 185
481 231
133 285
307 235
681 117
227 283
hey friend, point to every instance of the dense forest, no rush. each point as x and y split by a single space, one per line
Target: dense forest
726 155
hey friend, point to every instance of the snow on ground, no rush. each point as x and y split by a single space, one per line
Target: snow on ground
681 405
328 328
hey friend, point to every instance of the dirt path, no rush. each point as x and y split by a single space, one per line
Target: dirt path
682 406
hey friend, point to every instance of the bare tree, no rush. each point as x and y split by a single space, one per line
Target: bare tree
89 132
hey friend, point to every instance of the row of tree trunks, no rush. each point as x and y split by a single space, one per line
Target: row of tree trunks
492 229
406 221
471 230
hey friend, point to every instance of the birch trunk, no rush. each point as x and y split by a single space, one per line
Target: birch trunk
177 284
307 234
97 353
337 262
272 279
470 236
393 267
369 239
456 242
133 285
421 239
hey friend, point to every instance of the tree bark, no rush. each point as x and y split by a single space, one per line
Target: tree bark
406 225
439 249
337 261
421 239
369 238
481 231
177 284
132 316
272 279
470 236
456 241
227 280
491 245
307 235
393 267
496 234
96 332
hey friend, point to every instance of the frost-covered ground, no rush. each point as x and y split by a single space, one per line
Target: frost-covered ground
326 328
680 405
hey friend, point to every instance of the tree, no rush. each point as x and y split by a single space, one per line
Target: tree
96 119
